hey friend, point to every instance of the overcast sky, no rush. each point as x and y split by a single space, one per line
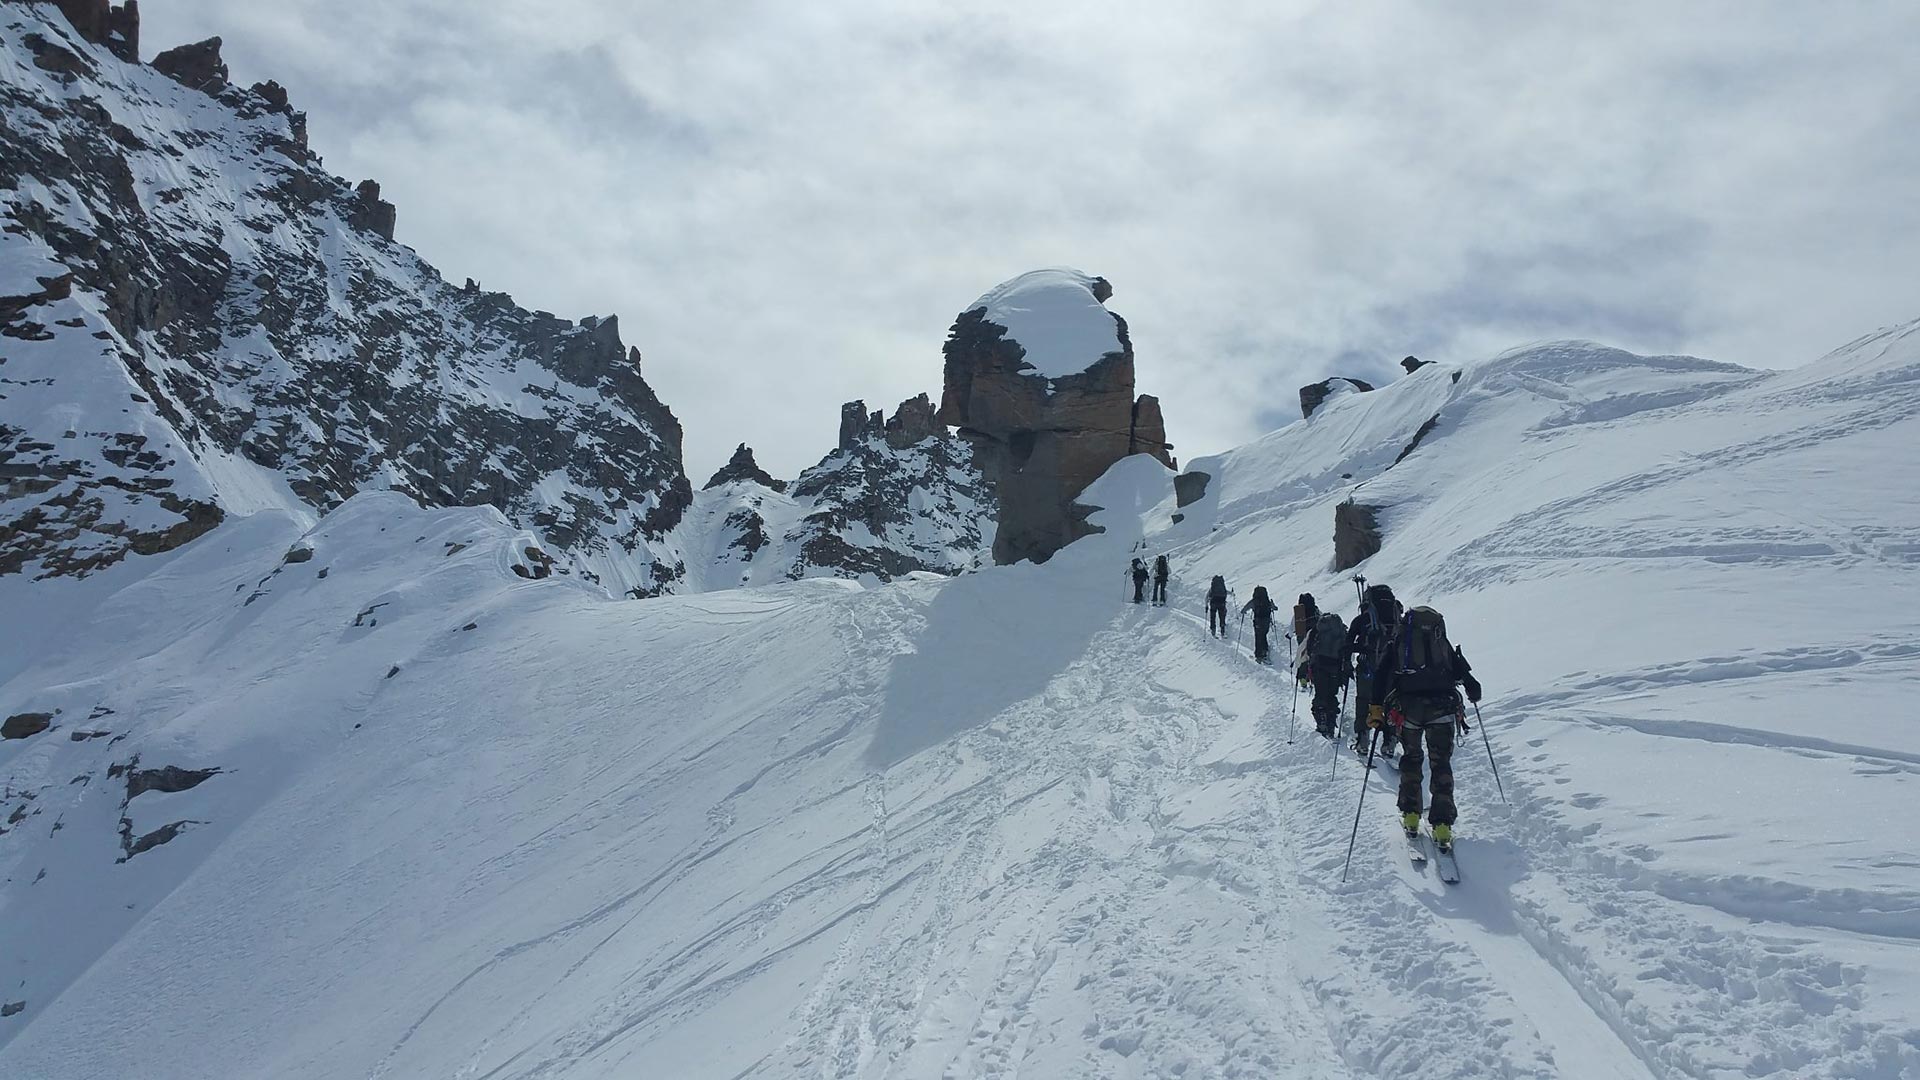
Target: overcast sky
788 202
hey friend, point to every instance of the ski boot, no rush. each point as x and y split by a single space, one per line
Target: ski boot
1443 837
1410 821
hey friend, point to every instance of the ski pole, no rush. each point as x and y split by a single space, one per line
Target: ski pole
1360 589
1489 745
1295 711
1372 738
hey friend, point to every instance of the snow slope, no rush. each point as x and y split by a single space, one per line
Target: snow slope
1004 824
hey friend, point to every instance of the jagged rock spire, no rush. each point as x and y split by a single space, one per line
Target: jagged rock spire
742 467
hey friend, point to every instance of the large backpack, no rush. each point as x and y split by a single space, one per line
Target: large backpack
1329 638
1424 656
1160 566
1218 589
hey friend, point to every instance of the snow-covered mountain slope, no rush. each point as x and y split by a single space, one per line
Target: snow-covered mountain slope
199 321
205 322
869 511
1003 824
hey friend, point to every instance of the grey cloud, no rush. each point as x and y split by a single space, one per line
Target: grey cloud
788 203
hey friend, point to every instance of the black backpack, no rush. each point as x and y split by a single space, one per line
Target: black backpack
1160 567
1329 637
1219 587
1424 656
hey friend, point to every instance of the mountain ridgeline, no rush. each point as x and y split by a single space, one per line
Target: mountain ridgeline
200 323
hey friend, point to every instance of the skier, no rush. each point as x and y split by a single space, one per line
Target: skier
1160 580
1139 573
1366 643
1323 665
1217 607
1305 612
1263 609
1413 691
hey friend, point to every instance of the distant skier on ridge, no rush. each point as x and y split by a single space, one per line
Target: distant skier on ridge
1263 609
1413 697
1217 607
1160 580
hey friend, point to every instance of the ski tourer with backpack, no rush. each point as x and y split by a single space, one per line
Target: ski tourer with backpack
1414 695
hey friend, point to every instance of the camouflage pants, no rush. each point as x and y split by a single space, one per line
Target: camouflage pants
1426 739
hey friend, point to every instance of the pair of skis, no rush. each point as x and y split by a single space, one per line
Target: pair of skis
1418 844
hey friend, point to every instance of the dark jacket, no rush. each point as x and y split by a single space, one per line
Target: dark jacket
1427 707
1262 613
1160 568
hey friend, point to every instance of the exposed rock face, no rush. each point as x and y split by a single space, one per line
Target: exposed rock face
1149 432
1190 488
197 66
912 422
856 424
21 725
1312 396
117 26
881 504
1045 424
742 467
168 778
1356 534
170 321
1413 363
370 212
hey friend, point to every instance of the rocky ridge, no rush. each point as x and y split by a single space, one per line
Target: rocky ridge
897 495
201 322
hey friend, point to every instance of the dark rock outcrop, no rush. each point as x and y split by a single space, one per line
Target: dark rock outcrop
1412 444
1356 534
1311 396
116 26
167 778
1041 440
197 66
856 424
1149 431
1190 488
1413 364
21 725
370 212
913 421
742 467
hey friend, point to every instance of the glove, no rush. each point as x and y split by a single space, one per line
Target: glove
1376 716
1473 689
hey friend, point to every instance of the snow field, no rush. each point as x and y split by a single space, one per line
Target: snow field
1005 824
